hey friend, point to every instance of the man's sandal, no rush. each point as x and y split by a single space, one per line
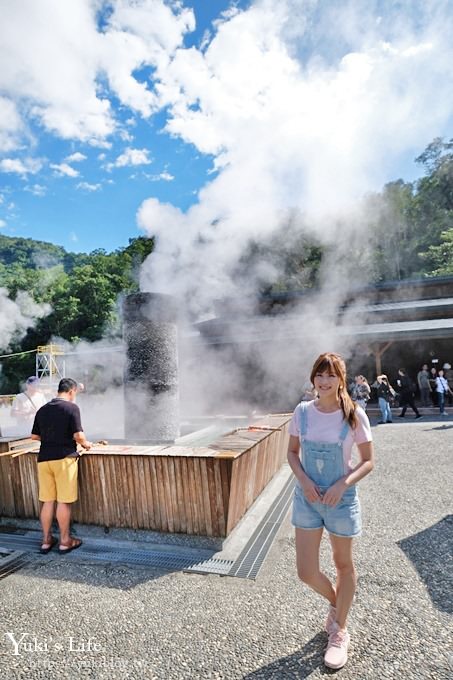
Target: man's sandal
48 545
73 544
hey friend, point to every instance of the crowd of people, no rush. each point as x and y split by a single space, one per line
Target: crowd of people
434 387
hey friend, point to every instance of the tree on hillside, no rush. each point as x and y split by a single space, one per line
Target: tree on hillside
82 290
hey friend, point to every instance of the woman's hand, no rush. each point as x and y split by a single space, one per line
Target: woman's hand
311 491
334 493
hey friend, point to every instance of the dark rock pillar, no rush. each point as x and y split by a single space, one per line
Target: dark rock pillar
151 372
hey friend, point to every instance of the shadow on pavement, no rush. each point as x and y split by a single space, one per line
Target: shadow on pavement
299 665
431 552
441 427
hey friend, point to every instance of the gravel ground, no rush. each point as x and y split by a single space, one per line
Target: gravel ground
115 622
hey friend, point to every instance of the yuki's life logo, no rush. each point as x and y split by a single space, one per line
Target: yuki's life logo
27 643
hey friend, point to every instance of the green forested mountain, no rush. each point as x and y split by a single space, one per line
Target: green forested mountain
82 291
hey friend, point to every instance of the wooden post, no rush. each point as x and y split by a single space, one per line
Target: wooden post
378 352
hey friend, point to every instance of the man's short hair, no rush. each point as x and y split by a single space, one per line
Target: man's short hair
66 385
32 380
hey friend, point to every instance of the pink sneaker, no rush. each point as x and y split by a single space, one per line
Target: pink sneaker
331 618
337 648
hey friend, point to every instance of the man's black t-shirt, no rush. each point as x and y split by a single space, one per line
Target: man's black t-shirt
56 422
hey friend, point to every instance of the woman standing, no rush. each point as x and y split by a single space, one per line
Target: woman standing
385 393
322 433
442 390
361 391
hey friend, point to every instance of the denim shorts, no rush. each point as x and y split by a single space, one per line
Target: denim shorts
345 519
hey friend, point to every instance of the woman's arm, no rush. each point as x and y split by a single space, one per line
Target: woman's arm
335 492
366 452
311 491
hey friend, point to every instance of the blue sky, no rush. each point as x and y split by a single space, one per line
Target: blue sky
132 111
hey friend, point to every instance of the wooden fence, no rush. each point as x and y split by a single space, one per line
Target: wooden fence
175 489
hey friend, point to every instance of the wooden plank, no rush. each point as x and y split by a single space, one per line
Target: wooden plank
144 484
206 497
186 496
157 517
104 506
133 500
218 510
182 509
96 502
123 492
168 488
139 490
17 485
196 493
87 491
111 493
225 475
213 511
160 480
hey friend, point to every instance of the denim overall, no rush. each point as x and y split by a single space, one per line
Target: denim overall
324 464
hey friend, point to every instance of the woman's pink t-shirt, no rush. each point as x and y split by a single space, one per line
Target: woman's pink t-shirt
326 427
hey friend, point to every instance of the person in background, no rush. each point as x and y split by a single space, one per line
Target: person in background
323 433
308 392
407 389
361 391
424 385
432 384
26 404
442 390
58 427
385 393
448 375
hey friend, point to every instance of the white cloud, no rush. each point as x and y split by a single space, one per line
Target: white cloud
63 169
164 176
131 157
76 157
304 106
36 189
2 224
73 237
126 136
64 82
21 167
10 125
86 186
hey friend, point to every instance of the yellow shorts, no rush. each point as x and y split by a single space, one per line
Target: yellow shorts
57 480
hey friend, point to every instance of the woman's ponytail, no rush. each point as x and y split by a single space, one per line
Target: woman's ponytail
348 407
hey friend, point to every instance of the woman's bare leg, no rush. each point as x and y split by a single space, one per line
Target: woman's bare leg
346 576
307 559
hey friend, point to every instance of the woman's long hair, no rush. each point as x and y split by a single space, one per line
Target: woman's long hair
334 363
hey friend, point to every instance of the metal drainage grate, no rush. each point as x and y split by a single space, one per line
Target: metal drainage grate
212 566
252 557
178 559
11 561
19 542
174 561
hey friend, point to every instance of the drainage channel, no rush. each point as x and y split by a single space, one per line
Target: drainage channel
174 558
11 561
251 559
